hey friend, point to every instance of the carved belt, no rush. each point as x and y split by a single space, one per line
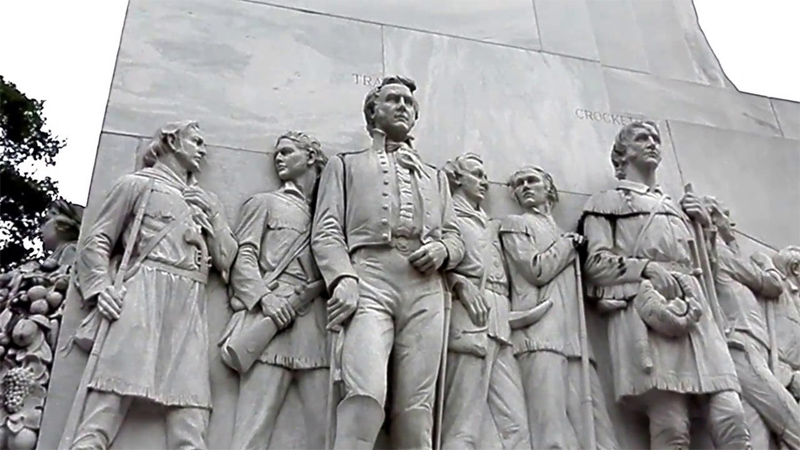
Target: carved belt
405 245
199 275
674 267
498 287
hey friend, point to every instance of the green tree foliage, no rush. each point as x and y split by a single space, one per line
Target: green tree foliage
23 198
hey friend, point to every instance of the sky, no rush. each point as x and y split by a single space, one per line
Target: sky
63 52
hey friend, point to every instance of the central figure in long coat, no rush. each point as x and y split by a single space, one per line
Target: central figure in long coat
384 231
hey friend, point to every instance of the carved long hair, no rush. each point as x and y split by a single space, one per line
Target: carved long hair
371 99
159 145
552 190
454 168
67 217
313 148
787 261
619 151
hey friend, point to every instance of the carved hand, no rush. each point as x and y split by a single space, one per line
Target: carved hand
429 258
207 202
278 309
761 260
578 240
608 306
662 280
109 302
694 209
343 302
794 385
474 302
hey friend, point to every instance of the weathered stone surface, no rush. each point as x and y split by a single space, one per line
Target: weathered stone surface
245 71
755 175
565 28
116 156
707 67
618 45
636 93
788 114
509 22
537 122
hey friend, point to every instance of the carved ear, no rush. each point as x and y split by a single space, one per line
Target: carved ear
171 139
312 158
794 268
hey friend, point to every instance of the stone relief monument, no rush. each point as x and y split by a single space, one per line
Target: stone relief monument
481 371
384 230
278 334
31 308
542 262
639 246
397 293
151 340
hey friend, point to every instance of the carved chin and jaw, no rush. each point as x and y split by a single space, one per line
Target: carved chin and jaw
396 129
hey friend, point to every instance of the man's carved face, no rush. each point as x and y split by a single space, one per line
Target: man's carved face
644 149
394 111
473 181
723 223
191 150
49 231
290 161
531 190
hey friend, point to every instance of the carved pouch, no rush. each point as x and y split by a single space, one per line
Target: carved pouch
465 336
669 317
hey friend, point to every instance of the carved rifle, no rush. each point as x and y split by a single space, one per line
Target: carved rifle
702 263
590 440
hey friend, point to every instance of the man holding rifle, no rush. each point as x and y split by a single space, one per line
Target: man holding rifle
639 250
277 335
743 285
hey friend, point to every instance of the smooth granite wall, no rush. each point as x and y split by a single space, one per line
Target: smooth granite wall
546 82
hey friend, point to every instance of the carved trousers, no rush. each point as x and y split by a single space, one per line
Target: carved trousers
768 405
262 392
670 420
400 314
104 413
546 384
472 384
603 428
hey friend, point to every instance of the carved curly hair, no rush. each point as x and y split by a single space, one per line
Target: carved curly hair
372 97
159 146
454 168
619 151
552 190
308 144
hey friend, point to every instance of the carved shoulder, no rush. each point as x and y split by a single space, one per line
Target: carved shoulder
515 223
612 202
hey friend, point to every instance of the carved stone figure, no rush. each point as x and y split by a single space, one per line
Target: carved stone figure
156 347
481 370
384 231
541 267
277 336
31 308
636 233
743 286
787 262
60 231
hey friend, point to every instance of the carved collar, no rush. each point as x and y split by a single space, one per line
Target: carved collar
639 188
292 193
166 175
464 209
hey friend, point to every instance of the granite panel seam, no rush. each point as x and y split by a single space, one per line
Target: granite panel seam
777 118
209 144
675 153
